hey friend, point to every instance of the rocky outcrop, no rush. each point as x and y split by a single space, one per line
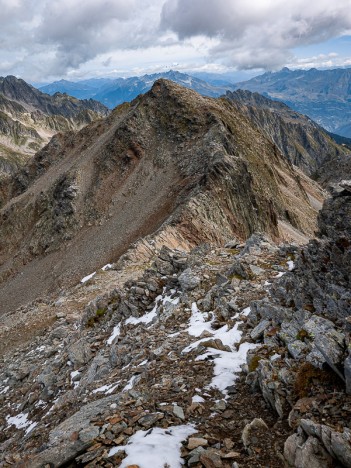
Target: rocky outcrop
308 313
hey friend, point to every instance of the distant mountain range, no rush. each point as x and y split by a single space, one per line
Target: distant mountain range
323 95
112 92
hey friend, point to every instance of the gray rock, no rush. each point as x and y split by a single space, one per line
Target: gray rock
48 379
250 429
81 419
100 367
195 455
256 270
163 267
262 309
178 412
79 353
188 280
271 387
317 325
211 459
150 419
347 373
89 434
220 405
297 349
303 452
336 443
238 270
258 331
232 244
255 243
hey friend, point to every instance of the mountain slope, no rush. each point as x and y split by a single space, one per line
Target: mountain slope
114 92
29 118
304 143
323 95
171 158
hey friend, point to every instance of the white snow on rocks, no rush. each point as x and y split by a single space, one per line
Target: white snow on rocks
73 375
21 421
155 448
291 265
87 278
116 332
107 389
147 318
198 323
129 385
197 399
226 363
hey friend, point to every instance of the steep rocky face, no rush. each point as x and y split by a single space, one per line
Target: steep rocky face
29 118
303 142
323 272
308 313
171 158
323 95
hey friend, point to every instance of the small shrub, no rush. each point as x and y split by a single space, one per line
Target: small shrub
309 376
254 362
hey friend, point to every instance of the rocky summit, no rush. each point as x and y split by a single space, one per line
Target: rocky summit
174 292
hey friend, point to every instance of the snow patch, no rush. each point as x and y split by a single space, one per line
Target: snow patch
21 421
107 389
197 399
291 265
198 323
147 448
87 278
226 363
246 311
129 385
108 266
116 332
74 374
147 318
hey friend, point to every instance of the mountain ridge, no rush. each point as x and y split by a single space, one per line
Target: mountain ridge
86 189
323 95
29 118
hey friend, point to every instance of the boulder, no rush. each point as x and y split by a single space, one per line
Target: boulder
188 280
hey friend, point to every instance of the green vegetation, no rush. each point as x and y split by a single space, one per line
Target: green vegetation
92 321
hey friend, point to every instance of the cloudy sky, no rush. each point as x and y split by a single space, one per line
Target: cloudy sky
43 40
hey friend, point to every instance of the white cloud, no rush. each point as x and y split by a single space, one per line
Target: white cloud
49 39
257 33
